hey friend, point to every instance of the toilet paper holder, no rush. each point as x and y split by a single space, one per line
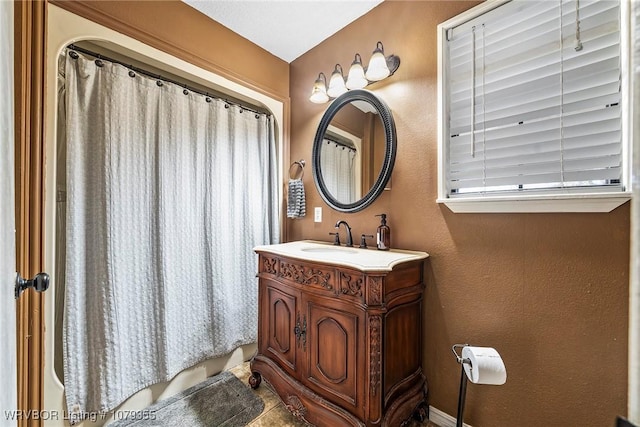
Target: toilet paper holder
463 382
459 356
481 365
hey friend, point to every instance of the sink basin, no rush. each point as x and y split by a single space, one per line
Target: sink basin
367 260
329 250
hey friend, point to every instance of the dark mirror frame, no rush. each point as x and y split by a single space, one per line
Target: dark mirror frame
389 155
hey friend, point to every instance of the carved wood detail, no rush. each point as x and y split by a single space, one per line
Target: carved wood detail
305 275
375 290
296 407
350 286
269 265
374 352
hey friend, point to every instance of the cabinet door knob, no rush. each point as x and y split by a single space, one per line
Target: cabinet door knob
296 330
303 332
300 331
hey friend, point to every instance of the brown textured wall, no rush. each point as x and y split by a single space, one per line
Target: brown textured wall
549 291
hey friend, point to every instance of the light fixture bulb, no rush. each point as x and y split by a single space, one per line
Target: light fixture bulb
319 92
336 83
356 79
378 69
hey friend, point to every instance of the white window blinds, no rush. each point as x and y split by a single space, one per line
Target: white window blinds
533 93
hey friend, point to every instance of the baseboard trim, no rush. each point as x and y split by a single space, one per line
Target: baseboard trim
442 419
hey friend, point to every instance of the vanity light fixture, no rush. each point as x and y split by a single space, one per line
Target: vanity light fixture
380 67
319 92
336 83
356 79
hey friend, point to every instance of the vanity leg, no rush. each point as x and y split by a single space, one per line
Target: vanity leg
421 413
255 379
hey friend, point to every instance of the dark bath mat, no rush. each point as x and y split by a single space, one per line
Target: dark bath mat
219 401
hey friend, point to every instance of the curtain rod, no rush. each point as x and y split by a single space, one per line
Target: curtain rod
165 79
340 143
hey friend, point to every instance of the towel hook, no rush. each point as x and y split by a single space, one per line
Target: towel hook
299 170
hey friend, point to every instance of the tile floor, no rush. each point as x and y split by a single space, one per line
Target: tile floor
275 414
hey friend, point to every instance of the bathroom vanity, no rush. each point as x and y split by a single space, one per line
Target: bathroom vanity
340 333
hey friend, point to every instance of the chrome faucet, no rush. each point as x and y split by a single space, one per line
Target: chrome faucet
349 238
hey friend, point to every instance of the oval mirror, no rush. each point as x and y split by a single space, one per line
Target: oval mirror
354 150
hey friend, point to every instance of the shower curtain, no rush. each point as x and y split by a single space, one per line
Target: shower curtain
338 171
167 192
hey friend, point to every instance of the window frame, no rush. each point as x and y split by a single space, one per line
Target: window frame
550 201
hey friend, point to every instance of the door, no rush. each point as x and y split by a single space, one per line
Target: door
8 364
281 324
335 351
22 36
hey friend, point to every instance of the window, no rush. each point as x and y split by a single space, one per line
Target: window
534 106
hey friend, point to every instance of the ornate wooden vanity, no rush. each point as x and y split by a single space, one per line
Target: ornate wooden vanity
340 333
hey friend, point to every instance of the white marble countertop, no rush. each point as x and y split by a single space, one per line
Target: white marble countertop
366 260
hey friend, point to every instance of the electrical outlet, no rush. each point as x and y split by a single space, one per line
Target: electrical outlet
317 214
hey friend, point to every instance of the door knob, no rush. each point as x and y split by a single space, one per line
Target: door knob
40 283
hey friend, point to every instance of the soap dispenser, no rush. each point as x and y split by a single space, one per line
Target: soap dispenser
383 234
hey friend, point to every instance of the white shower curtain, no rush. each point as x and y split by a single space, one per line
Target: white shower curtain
338 171
167 194
7 223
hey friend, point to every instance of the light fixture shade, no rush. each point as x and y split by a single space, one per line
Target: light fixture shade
378 69
356 79
319 92
336 83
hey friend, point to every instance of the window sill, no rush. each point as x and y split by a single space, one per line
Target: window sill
595 202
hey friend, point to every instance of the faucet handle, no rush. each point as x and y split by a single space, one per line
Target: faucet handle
336 241
363 240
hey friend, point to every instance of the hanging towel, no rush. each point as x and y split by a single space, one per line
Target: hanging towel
296 205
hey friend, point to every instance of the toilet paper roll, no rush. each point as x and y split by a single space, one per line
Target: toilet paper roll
486 365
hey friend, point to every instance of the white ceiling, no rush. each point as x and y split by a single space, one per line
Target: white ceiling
286 28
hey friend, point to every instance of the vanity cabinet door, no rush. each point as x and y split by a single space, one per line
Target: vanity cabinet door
334 351
279 319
